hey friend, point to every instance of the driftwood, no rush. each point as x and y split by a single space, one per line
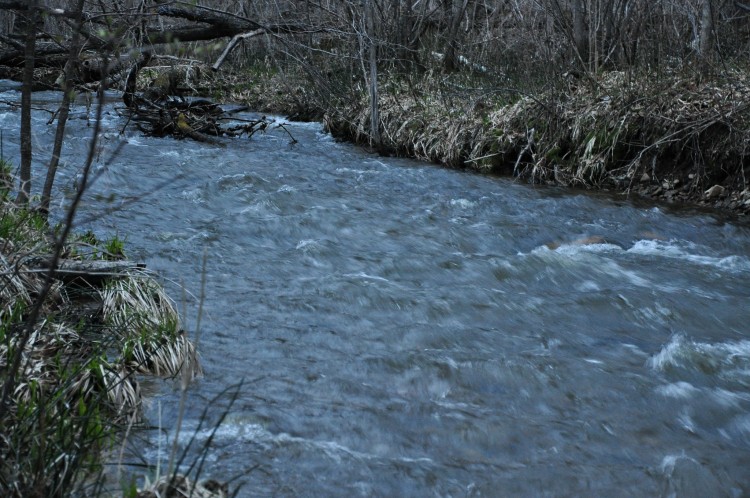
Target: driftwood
87 272
156 110
157 113
198 120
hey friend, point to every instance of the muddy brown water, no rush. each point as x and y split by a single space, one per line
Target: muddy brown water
407 330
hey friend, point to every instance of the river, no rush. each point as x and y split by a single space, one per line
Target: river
407 330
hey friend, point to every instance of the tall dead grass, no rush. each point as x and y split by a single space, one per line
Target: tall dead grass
675 135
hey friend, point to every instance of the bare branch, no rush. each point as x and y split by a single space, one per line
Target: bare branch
233 43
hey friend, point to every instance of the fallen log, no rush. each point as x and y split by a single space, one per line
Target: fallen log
232 44
48 11
214 24
86 272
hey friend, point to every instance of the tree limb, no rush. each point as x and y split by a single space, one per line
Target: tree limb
213 25
233 43
22 4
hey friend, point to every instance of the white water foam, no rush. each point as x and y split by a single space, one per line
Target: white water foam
462 203
679 390
365 276
236 430
727 359
728 399
670 250
657 248
686 477
668 462
358 172
323 136
309 246
8 116
262 209
576 249
578 254
136 143
193 195
236 180
299 125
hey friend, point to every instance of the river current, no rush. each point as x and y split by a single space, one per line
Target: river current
402 329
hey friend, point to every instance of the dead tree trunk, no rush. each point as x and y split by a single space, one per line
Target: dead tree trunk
213 25
373 59
580 36
457 9
30 18
62 116
128 96
706 41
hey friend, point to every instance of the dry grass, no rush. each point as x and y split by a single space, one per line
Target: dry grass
415 121
179 485
138 309
77 380
21 238
685 134
611 134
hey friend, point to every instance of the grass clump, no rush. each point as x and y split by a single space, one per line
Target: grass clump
143 315
70 379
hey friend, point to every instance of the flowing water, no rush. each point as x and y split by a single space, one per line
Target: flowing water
405 330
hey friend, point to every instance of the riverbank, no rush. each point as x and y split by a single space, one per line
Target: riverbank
677 136
72 352
674 137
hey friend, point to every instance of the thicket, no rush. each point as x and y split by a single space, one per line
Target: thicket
635 96
520 45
